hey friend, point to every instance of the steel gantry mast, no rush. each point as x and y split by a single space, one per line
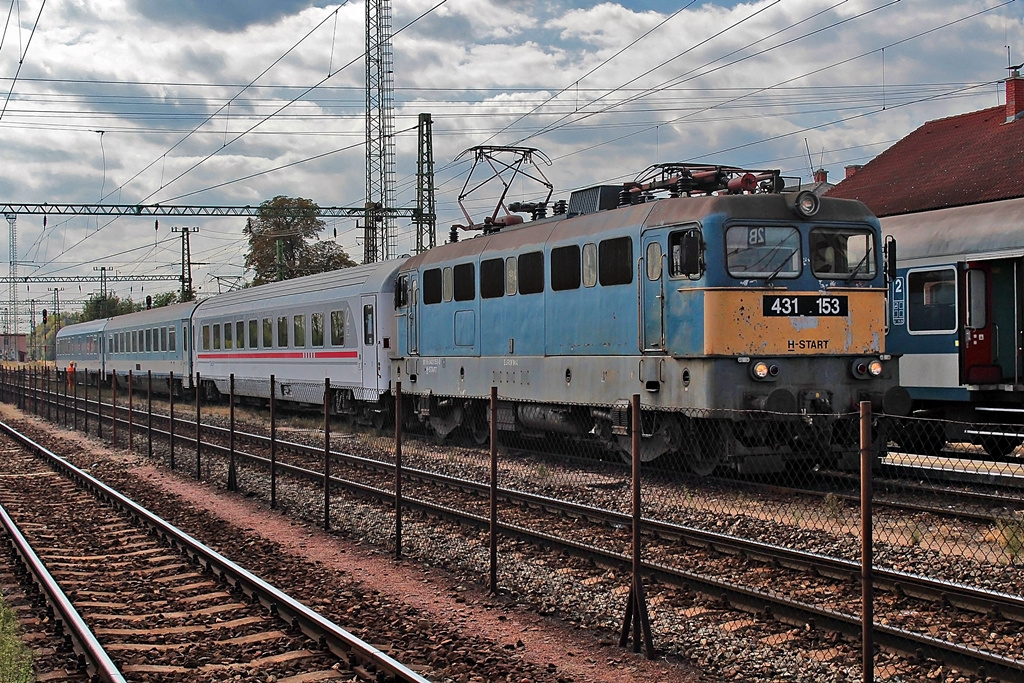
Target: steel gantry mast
380 241
425 219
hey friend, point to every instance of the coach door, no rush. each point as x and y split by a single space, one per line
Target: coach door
992 324
652 292
369 356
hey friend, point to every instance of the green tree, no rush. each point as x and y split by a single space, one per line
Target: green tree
108 306
283 241
165 299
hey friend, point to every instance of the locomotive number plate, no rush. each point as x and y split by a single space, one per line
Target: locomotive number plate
775 305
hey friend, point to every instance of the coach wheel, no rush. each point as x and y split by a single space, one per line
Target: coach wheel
999 446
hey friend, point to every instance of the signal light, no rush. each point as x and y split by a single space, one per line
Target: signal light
44 316
149 302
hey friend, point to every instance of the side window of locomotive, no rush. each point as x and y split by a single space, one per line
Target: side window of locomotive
337 328
685 251
464 282
268 333
762 251
446 283
282 332
565 268
654 261
299 331
254 333
492 278
589 264
842 253
531 272
368 325
511 275
316 329
615 261
931 300
432 286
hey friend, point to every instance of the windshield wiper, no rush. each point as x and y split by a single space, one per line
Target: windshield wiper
768 280
856 269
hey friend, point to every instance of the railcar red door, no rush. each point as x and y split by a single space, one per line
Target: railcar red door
992 323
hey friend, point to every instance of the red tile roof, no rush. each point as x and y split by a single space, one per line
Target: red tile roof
967 159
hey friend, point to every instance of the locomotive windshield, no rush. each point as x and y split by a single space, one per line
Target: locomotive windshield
763 251
842 254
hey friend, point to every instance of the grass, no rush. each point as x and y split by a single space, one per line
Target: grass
15 657
1010 535
834 507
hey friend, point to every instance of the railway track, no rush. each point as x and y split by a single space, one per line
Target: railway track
139 598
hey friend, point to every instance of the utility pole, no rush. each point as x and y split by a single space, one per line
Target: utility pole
425 219
187 293
103 280
380 241
12 298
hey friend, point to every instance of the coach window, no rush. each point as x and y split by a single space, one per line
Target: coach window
228 337
565 268
299 331
268 333
447 284
316 329
464 282
171 333
589 264
184 337
163 339
282 332
216 337
136 345
511 275
432 286
762 251
615 261
976 299
254 333
368 325
492 278
531 272
685 249
931 303
240 334
337 328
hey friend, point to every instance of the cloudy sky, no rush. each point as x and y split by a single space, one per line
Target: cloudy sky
145 101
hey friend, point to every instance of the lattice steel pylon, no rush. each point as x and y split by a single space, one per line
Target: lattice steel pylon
12 298
380 239
425 219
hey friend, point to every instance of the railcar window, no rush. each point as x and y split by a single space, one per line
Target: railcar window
654 261
184 336
216 337
842 254
531 272
447 284
492 278
565 268
464 282
163 339
228 338
171 333
589 264
931 302
762 251
268 333
282 332
615 261
337 328
316 329
240 334
136 345
684 248
432 286
254 333
511 275
299 331
368 325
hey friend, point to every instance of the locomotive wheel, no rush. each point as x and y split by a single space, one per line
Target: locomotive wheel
707 445
479 430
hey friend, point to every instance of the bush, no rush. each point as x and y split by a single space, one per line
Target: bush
15 657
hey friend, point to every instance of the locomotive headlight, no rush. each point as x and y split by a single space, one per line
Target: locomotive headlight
759 369
875 368
805 204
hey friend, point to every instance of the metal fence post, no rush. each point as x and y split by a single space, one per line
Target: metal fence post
46 370
170 425
113 403
74 404
85 390
232 474
866 552
131 411
398 470
99 405
199 443
273 446
494 489
327 454
636 610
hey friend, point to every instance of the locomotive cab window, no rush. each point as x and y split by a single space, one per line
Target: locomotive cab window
842 254
685 249
931 303
762 251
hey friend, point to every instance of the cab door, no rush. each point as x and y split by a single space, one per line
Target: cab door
652 292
